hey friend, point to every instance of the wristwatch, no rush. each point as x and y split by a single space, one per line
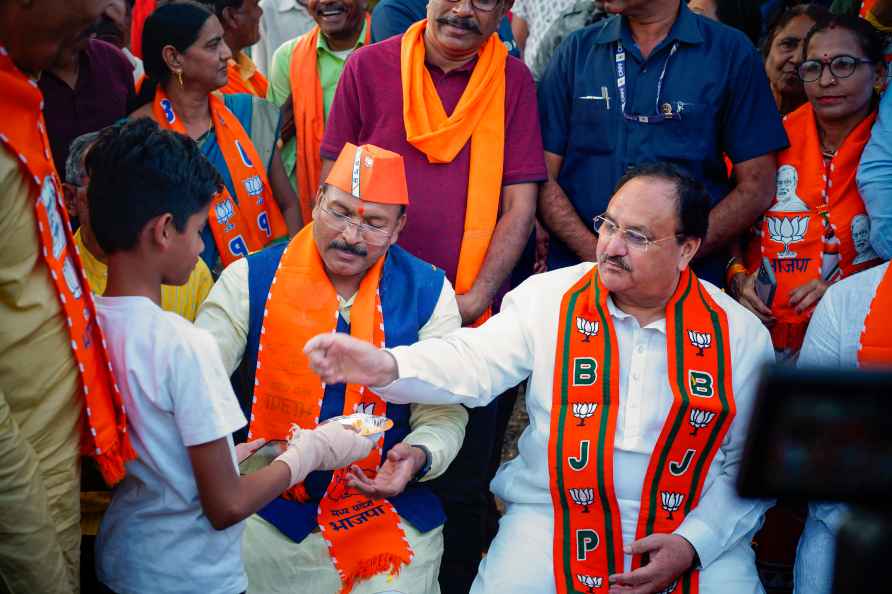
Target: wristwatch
422 472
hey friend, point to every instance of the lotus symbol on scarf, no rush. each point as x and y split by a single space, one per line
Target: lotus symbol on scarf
588 328
590 582
367 408
671 502
583 410
225 211
700 419
583 497
700 340
787 230
670 588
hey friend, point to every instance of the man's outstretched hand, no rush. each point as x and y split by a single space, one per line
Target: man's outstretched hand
339 358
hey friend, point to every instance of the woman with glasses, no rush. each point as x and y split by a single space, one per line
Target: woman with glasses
816 230
186 62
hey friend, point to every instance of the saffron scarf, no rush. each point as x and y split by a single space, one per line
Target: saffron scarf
807 234
478 117
245 78
866 7
23 132
253 219
876 344
588 544
309 114
363 535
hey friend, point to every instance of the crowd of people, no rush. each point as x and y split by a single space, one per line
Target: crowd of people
228 223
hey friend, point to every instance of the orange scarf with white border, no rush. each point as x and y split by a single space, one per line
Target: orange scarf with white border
23 132
363 535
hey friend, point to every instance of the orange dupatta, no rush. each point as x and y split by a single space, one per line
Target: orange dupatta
253 220
363 535
876 342
588 543
254 84
309 114
480 117
23 132
808 232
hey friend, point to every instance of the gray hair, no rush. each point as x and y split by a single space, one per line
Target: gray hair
74 165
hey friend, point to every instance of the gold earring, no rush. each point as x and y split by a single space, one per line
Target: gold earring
180 77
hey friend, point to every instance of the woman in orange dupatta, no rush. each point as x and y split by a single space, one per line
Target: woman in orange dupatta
186 61
817 229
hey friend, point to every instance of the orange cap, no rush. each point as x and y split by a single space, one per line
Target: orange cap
370 173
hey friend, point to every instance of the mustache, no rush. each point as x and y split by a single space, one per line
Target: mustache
467 24
615 260
355 249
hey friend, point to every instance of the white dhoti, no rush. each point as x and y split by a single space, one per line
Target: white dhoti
275 564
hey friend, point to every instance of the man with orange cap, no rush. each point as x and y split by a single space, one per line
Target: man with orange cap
376 526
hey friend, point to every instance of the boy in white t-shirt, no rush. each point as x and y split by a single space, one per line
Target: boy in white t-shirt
175 521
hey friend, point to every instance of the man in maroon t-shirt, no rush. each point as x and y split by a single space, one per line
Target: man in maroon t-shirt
368 108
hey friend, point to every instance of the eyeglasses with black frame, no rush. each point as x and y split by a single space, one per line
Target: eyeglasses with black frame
336 221
840 67
481 5
632 238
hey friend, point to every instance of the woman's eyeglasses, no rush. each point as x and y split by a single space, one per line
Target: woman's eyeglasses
840 67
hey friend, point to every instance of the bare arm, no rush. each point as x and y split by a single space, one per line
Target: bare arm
508 240
285 195
226 497
521 30
743 205
560 217
326 168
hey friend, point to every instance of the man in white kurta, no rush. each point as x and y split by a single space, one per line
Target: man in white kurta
471 366
832 341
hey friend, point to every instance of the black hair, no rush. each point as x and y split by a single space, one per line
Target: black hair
693 201
177 24
218 6
815 12
870 40
743 15
139 172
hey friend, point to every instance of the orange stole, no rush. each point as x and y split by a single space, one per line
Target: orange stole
23 132
800 243
256 84
588 539
253 220
866 7
363 535
876 342
309 114
480 117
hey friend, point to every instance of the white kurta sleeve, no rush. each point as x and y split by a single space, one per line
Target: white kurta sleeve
470 366
722 518
439 428
821 347
226 313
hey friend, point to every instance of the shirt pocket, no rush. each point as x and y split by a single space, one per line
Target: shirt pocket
593 124
692 131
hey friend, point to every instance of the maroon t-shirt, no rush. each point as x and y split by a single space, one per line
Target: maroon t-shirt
368 109
98 99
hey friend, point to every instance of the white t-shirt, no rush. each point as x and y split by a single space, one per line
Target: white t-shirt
155 536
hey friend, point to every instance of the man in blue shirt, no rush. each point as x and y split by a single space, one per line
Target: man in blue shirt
875 179
393 17
656 82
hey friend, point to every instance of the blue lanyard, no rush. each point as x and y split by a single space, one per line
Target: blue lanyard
659 115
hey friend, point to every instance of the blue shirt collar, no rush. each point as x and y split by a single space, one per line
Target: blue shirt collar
685 29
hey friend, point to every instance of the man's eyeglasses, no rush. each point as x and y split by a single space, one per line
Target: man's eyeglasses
481 5
372 235
840 67
632 238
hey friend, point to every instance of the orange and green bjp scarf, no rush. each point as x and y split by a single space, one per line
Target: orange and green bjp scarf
363 535
588 543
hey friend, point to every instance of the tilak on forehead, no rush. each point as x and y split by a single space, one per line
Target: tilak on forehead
371 174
